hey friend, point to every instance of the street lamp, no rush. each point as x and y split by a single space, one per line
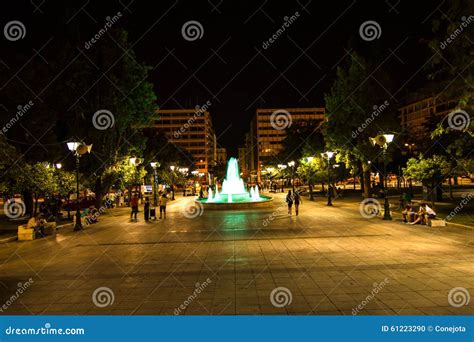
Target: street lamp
292 165
172 167
135 162
282 167
184 171
310 160
154 165
79 149
383 141
195 174
59 166
329 155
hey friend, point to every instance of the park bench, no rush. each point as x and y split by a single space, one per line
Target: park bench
436 222
25 234
28 234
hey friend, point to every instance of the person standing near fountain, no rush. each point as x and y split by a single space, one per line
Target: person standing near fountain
162 203
289 201
298 201
134 205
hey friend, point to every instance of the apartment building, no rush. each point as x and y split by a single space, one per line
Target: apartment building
191 130
414 116
268 130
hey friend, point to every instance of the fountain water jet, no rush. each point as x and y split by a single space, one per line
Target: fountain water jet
233 194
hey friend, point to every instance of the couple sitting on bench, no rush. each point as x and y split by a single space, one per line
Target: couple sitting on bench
40 226
423 216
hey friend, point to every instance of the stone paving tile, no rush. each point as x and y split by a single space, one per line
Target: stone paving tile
330 259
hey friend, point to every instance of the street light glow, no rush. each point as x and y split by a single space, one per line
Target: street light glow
73 145
328 154
388 137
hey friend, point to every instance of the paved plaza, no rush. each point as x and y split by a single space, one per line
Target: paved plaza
327 261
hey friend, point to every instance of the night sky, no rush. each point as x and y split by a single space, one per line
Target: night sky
228 64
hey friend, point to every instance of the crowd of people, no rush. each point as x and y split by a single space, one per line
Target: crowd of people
51 209
149 211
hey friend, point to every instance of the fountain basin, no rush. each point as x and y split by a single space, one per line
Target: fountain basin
244 203
233 194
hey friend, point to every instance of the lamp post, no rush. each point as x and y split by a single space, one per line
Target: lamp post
310 160
410 147
195 174
172 167
282 167
292 165
154 165
135 162
386 214
383 141
329 155
184 171
79 149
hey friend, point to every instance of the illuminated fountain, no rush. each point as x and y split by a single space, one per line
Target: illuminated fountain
233 194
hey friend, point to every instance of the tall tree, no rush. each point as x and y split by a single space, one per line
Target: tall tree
114 97
358 108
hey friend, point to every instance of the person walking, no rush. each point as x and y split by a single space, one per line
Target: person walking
134 205
298 201
162 203
289 201
146 209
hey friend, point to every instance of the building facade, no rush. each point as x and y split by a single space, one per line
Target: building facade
221 155
415 116
191 130
268 130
